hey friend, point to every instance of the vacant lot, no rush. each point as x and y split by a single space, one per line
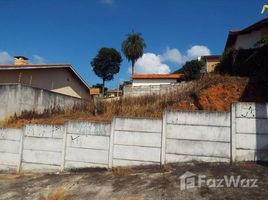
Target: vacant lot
135 183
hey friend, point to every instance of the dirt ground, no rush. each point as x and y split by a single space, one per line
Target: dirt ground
153 183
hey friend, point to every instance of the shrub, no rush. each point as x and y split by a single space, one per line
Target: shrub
245 62
191 69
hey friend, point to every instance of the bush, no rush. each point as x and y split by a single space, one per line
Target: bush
191 69
245 62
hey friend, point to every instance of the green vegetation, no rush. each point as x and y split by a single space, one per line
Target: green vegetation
133 47
191 69
106 64
245 62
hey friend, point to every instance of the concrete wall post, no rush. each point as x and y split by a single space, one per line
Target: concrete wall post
163 139
111 146
21 150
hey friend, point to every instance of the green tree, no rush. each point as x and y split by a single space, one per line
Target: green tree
191 69
106 63
133 47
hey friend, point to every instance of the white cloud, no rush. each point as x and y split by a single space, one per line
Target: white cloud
38 59
175 56
5 58
150 63
107 2
196 51
172 55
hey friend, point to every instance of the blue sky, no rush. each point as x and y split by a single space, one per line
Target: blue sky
66 31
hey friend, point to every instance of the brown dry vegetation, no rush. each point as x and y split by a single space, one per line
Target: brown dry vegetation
58 194
211 92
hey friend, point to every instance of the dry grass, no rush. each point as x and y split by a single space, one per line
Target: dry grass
58 194
121 171
212 92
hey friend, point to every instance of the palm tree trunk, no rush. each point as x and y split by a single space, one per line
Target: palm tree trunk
133 63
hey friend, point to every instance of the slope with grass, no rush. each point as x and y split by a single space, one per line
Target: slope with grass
212 92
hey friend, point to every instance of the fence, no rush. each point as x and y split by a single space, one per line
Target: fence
178 137
250 132
202 136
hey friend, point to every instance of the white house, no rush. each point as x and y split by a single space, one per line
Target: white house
247 37
155 79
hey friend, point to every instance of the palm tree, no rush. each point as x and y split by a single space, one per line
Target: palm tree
133 47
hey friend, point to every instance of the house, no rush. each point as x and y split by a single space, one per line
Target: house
210 62
114 92
59 78
247 37
155 79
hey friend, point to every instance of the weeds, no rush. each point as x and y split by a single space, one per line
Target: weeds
121 171
58 194
211 92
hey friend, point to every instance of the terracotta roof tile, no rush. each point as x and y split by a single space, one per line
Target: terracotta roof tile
157 76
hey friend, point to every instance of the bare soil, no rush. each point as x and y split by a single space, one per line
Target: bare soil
153 183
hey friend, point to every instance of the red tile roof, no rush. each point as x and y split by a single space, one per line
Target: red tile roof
157 76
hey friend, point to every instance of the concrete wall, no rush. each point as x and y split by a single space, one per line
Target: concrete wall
134 91
87 145
10 142
16 98
250 132
203 136
42 148
178 137
136 141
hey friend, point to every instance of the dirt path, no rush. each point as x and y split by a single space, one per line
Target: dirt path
136 184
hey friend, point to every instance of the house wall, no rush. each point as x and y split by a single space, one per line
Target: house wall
134 91
146 82
211 64
60 80
16 98
247 41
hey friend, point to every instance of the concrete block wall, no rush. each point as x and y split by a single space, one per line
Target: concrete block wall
136 141
42 148
87 145
250 132
10 143
178 137
16 98
202 136
134 91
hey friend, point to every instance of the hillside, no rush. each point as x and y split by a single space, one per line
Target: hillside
211 92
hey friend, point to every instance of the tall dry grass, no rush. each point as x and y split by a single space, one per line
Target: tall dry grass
58 194
186 98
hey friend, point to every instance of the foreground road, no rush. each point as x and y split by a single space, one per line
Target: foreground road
141 183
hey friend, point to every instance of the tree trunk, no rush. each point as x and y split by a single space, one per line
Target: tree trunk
103 86
133 63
